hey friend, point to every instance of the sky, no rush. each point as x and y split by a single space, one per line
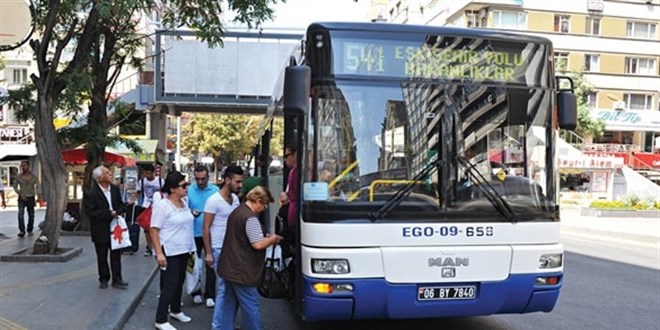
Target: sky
298 14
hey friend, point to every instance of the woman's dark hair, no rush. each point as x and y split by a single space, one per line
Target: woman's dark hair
291 147
172 181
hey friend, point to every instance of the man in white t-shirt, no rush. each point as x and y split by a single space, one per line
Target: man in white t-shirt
216 211
147 187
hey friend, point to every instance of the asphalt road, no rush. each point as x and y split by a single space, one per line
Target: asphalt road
598 294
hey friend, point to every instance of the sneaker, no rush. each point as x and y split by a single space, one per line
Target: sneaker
197 299
147 253
181 317
30 233
21 234
164 326
210 303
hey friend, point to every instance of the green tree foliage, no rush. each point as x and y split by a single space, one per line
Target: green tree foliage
588 126
80 49
226 138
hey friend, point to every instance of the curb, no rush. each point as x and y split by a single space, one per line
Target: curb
620 235
24 255
128 312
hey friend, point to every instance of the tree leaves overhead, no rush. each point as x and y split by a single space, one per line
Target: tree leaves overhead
205 16
80 48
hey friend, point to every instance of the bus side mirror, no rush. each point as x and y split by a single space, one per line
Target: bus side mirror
297 82
566 104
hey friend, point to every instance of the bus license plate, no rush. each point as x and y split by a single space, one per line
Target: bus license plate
447 292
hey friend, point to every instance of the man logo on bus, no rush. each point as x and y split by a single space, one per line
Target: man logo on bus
448 272
445 262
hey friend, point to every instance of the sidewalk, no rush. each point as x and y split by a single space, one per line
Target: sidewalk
646 230
50 296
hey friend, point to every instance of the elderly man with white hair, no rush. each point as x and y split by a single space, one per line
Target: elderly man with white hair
102 202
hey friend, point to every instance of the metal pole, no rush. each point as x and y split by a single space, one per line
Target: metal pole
178 144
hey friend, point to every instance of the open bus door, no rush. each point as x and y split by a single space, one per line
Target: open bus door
297 82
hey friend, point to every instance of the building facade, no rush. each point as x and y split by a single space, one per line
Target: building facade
615 43
16 137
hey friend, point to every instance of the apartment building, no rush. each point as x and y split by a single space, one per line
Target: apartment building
16 137
615 43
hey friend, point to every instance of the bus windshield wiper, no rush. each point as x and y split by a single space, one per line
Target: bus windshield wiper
487 189
398 197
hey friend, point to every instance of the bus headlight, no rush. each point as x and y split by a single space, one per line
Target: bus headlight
554 260
330 266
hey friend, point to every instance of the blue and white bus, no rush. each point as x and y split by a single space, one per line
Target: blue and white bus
427 173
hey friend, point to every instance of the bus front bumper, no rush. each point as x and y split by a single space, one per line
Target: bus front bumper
378 299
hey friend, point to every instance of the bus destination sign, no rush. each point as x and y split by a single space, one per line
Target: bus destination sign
402 59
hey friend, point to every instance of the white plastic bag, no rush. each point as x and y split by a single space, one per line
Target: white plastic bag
193 273
119 236
274 257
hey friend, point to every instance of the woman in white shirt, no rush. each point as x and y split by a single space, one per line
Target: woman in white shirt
173 241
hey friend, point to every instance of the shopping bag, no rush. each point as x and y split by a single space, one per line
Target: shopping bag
119 235
276 276
144 219
193 273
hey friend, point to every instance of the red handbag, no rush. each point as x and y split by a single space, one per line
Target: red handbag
144 219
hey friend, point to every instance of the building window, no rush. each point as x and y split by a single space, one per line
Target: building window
561 61
592 63
475 18
593 26
506 19
18 76
562 23
636 65
640 30
638 101
592 100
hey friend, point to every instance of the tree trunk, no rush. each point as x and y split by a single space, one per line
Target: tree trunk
53 170
96 123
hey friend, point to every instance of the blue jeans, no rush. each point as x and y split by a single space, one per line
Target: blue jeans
209 286
247 297
28 203
216 322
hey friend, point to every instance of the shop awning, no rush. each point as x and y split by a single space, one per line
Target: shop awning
79 157
17 150
148 154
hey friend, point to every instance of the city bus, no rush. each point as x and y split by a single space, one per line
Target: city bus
426 169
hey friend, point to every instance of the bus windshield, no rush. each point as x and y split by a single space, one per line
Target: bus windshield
374 138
